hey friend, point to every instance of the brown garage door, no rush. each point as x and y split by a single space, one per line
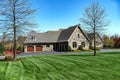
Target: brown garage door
30 49
38 48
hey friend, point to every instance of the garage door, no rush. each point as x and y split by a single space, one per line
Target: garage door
30 49
38 48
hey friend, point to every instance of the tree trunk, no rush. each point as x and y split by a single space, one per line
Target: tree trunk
14 26
94 41
14 49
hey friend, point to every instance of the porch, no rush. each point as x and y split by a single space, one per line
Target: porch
61 47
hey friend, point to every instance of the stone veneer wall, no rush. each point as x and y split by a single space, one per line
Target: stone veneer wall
99 41
50 48
74 38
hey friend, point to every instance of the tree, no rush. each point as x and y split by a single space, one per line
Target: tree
21 40
15 18
108 41
116 39
94 17
2 48
114 36
5 38
117 42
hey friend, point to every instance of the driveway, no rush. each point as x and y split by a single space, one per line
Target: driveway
46 53
110 50
63 53
60 53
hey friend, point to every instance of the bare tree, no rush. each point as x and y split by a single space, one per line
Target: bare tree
94 17
21 39
4 38
15 18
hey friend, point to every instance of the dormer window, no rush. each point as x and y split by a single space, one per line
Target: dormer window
33 38
78 36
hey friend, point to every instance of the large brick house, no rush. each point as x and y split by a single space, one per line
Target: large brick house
59 40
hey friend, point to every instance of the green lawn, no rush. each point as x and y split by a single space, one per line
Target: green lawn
105 66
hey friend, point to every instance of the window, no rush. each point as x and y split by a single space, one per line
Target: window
74 44
83 44
78 36
47 45
33 37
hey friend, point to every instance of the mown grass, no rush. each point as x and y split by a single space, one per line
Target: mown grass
104 66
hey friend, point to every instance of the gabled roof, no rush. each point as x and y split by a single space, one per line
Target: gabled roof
66 33
47 37
91 36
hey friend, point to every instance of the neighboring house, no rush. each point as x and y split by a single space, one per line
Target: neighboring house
99 41
59 40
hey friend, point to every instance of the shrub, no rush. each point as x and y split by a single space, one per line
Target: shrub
69 48
8 56
2 48
104 46
80 47
90 50
98 49
91 47
20 48
87 50
76 50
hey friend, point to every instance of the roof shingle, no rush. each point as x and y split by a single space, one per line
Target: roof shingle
66 33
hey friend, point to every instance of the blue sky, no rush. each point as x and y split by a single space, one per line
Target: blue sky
56 14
